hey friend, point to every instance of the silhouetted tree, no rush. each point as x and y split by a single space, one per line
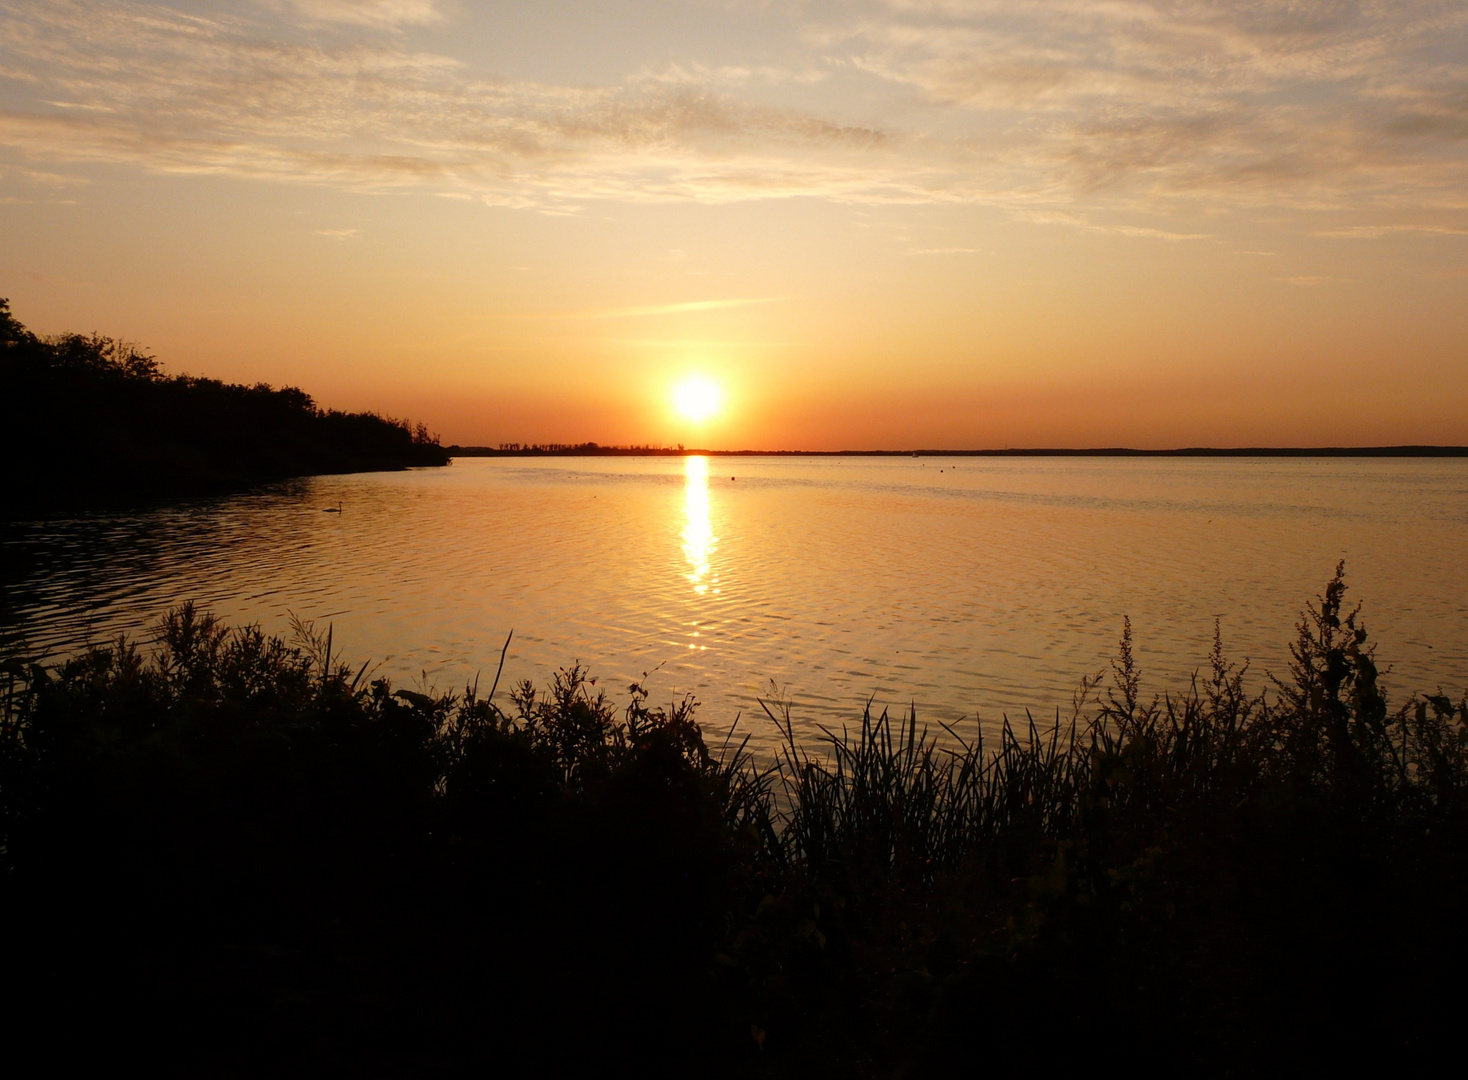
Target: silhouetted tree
93 418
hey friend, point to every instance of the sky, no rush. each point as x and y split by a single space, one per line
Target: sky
886 224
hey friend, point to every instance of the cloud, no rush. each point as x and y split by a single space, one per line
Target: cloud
689 306
177 93
1376 232
1153 234
337 234
40 177
1078 221
1088 108
1217 104
53 279
372 13
683 308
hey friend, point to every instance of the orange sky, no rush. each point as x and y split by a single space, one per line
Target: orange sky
940 224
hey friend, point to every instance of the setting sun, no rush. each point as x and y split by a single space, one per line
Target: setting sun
696 399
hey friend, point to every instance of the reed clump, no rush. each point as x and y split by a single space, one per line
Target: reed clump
236 844
1237 882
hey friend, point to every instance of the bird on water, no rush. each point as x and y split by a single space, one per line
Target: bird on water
337 509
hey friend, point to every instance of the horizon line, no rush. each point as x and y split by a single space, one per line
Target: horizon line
596 450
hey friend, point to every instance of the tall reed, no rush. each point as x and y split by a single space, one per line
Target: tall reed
1236 879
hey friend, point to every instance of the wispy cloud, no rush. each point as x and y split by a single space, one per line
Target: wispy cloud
1152 234
180 93
683 308
40 177
53 279
374 13
691 305
337 234
1227 103
1080 221
1376 232
1314 280
1083 107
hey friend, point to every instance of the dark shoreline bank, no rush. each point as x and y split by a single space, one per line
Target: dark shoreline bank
592 450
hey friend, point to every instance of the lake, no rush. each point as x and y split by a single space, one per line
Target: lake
969 587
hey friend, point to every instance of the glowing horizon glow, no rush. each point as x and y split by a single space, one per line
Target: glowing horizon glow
696 399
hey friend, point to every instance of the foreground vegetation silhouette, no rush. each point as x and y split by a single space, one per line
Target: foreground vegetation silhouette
236 854
94 421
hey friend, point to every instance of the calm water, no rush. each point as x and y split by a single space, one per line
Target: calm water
970 586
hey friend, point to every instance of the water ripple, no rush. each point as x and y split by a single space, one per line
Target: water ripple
985 588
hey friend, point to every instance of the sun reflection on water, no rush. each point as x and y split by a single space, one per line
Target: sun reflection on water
699 541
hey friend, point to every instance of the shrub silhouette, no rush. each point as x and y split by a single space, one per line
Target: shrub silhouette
234 851
1238 883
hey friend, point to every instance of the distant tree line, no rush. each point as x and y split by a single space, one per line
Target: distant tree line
92 420
579 449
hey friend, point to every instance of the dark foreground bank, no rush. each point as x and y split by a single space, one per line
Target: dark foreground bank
236 855
92 421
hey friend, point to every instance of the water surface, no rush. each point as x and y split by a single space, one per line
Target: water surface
968 586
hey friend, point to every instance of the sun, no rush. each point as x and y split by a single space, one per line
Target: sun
697 399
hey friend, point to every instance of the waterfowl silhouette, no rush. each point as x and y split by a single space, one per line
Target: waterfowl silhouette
337 509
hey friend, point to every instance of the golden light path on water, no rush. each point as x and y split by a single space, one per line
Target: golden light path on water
698 534
699 541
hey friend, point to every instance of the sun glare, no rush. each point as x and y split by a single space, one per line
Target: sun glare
696 399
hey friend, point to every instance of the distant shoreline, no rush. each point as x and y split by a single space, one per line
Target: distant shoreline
593 450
